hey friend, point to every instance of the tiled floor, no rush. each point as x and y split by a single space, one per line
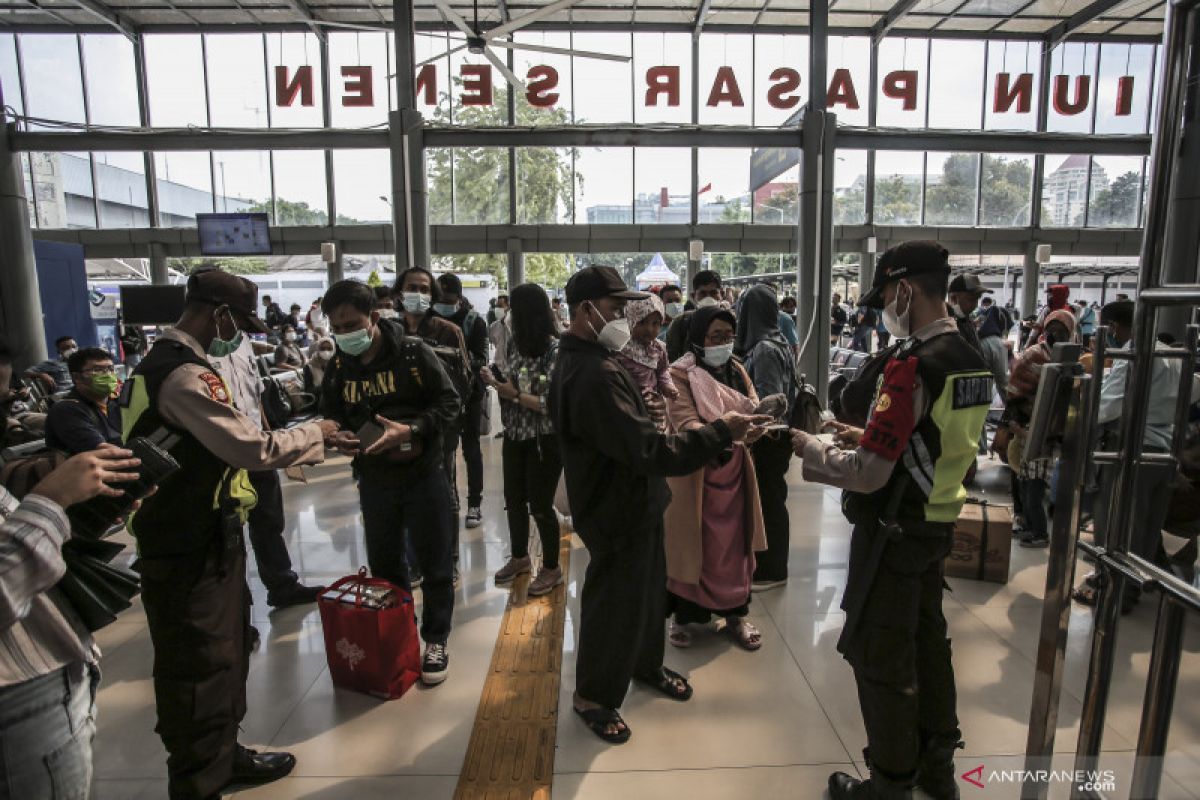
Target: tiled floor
770 724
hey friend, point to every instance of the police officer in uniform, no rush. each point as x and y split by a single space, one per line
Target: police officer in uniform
189 535
903 480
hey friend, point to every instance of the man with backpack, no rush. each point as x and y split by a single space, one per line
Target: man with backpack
454 308
392 388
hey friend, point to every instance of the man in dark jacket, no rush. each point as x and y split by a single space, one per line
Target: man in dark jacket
454 308
391 387
706 291
89 415
615 461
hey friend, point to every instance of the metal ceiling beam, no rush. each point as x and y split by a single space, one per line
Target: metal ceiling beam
894 15
1080 18
36 6
301 8
109 16
701 13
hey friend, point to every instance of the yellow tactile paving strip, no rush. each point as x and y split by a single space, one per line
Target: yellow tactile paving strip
511 753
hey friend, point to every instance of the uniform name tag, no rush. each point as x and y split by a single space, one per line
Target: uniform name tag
976 391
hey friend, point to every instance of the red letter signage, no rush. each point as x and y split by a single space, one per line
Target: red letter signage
725 89
426 85
841 90
1125 96
541 80
902 85
359 91
1083 93
1020 92
476 84
662 80
785 81
302 84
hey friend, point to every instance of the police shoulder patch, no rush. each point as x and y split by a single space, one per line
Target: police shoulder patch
973 390
216 387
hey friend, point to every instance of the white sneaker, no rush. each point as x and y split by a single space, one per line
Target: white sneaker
474 517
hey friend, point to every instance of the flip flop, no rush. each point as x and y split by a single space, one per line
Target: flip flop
667 682
598 720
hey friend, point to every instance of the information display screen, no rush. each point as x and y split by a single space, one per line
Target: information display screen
244 234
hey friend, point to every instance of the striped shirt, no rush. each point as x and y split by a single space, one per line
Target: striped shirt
39 632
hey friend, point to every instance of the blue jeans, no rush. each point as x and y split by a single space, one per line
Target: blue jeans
420 506
46 729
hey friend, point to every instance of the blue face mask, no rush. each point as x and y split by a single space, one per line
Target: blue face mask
1110 341
445 309
354 343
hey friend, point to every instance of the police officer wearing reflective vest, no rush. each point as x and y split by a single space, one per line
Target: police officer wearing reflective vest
903 478
192 556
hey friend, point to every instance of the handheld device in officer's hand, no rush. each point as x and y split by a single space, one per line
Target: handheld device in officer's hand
497 374
95 517
369 434
1048 421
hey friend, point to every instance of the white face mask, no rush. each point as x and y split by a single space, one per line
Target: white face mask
289 336
674 309
324 355
416 302
70 351
956 309
898 325
501 313
707 302
718 356
615 333
388 313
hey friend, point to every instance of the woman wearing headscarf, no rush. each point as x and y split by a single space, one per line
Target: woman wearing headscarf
773 371
644 356
714 524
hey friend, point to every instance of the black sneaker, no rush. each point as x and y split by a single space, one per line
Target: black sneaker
1036 540
435 664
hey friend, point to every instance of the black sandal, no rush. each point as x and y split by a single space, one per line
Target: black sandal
598 720
669 683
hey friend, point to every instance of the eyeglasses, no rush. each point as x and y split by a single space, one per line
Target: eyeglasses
718 339
105 370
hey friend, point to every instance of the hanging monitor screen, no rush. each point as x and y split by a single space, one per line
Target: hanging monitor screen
151 305
245 234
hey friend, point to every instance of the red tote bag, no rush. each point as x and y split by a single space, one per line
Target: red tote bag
371 650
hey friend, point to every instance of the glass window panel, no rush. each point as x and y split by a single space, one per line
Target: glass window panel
494 114
175 80
27 175
1005 190
956 73
898 188
671 50
772 52
850 188
950 187
604 192
1115 191
111 80
724 191
1073 68
777 201
294 50
1124 89
362 186
243 180
439 185
729 56
735 265
523 60
428 45
53 84
1064 191
481 186
62 183
1015 59
352 50
605 88
902 74
664 185
236 82
184 187
301 196
121 190
544 185
10 80
852 53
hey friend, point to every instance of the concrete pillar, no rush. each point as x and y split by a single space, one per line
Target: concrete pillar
334 270
815 262
866 271
516 264
406 126
1030 279
20 303
158 265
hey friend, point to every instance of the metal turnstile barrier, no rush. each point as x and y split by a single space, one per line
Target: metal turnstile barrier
1177 126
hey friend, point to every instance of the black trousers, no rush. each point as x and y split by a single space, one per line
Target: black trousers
772 458
198 609
622 614
899 649
531 471
266 532
467 430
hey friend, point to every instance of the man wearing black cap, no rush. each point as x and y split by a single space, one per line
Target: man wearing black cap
615 461
962 298
903 475
191 554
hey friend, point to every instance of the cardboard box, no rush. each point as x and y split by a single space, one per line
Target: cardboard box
982 543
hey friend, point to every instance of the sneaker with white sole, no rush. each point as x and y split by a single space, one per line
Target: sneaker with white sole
435 664
474 517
